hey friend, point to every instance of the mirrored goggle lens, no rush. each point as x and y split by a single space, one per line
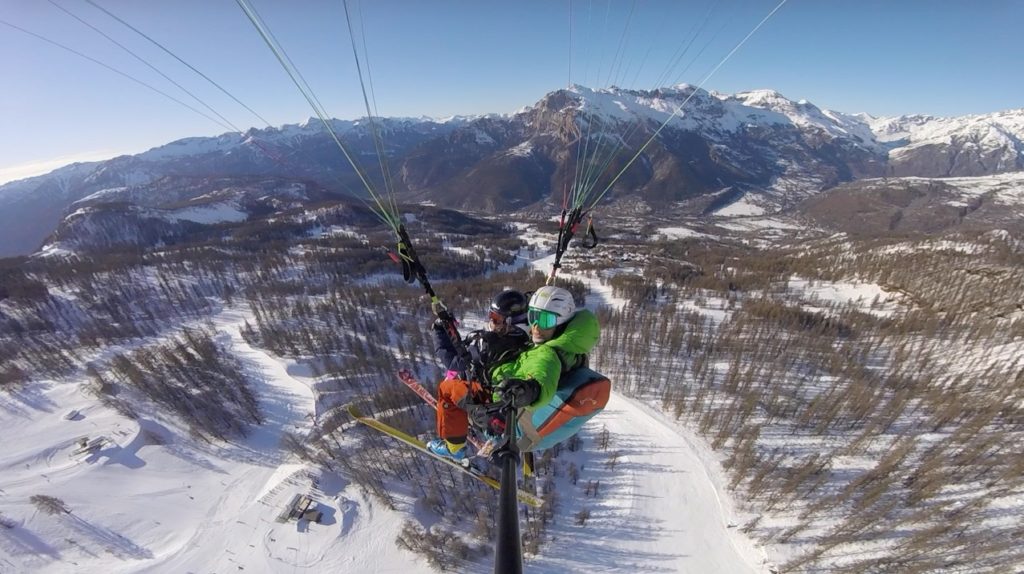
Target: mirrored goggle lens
495 316
542 319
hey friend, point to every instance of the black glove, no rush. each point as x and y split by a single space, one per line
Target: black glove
478 415
520 392
443 314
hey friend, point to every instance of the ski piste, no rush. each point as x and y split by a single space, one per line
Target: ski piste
482 448
524 497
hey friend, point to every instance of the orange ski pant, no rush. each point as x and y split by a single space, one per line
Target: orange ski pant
452 422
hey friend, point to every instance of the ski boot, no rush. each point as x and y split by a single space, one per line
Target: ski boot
493 436
440 447
490 444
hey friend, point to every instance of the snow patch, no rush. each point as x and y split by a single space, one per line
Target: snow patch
679 233
866 297
759 224
741 207
208 213
524 149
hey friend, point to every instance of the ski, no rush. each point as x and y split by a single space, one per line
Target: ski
524 497
410 381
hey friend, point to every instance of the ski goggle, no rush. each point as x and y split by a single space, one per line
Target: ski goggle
497 318
541 318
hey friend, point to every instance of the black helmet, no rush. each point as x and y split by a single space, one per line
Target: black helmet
511 305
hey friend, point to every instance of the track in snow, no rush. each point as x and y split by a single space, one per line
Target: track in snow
658 509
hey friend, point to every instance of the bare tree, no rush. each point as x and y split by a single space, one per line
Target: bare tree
49 504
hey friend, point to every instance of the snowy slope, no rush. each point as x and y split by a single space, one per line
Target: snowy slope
917 129
153 499
141 507
664 507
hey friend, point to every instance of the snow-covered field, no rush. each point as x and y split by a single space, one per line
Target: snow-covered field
678 233
663 506
209 213
864 297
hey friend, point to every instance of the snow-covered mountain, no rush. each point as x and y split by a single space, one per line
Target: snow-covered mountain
174 208
32 208
911 205
760 144
967 146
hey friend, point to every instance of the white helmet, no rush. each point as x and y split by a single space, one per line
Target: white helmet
550 307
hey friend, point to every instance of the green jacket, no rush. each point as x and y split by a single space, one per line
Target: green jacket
579 337
545 362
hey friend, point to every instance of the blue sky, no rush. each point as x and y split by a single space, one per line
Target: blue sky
445 57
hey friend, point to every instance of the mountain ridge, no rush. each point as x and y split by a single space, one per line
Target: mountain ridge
776 151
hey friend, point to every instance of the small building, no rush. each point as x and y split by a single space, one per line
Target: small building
300 507
90 446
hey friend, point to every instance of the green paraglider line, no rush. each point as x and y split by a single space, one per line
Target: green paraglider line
116 71
679 108
147 64
175 56
268 151
388 217
378 141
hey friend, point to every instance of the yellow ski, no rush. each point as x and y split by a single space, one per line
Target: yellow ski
524 497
